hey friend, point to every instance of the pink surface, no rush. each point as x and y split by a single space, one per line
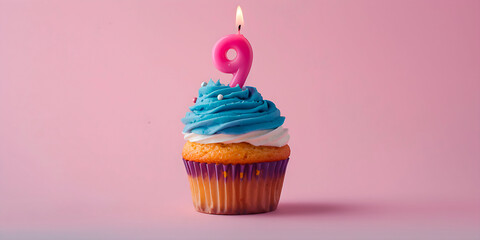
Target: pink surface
382 99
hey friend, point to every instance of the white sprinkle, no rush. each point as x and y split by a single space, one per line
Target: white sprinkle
203 84
220 97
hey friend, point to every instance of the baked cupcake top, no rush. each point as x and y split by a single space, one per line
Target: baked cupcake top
224 114
233 153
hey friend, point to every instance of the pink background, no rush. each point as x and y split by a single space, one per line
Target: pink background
382 100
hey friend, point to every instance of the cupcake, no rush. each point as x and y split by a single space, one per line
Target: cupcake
236 152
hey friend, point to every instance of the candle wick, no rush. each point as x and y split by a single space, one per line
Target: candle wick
239 27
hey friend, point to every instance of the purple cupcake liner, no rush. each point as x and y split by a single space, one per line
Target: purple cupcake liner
236 188
210 170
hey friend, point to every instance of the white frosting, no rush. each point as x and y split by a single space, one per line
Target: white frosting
273 137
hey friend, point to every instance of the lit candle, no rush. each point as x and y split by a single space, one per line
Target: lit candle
241 64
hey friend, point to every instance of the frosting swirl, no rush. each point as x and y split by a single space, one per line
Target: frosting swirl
236 111
277 137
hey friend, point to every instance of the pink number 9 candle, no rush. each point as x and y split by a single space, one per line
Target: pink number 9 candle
241 64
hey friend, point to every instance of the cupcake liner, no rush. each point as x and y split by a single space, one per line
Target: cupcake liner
236 188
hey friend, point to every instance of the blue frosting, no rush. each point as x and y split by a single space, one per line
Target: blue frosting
240 111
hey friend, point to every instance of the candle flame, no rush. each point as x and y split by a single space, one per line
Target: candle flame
239 22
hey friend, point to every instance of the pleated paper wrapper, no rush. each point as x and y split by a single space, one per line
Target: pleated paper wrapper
236 188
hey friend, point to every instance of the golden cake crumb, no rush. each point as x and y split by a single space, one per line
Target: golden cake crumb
233 153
